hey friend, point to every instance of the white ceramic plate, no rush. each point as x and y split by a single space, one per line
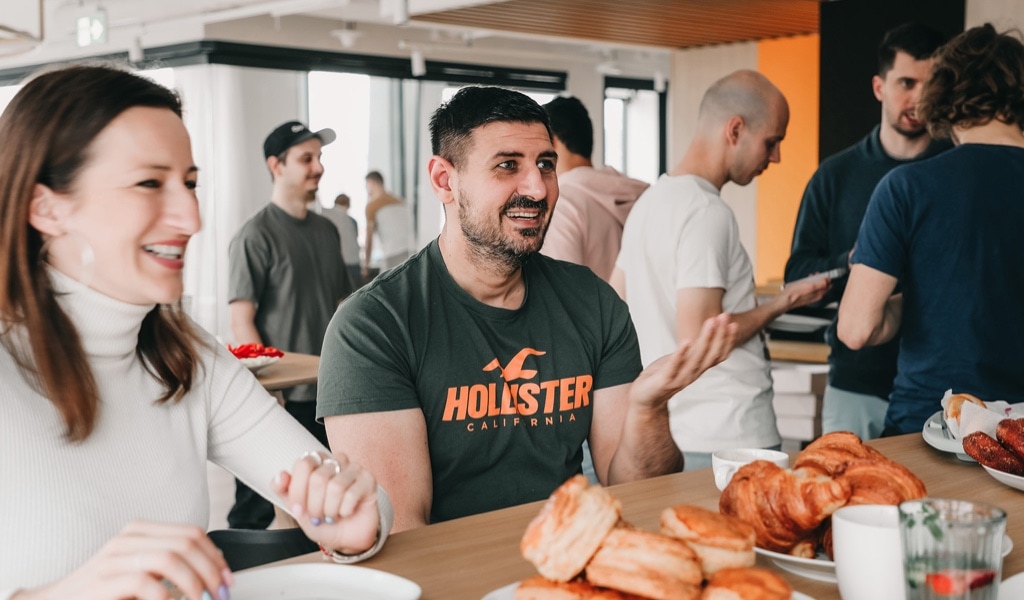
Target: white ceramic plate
327 581
798 323
819 568
938 437
1014 481
509 593
1012 588
258 363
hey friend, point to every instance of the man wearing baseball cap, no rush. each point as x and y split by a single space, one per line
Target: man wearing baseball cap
286 279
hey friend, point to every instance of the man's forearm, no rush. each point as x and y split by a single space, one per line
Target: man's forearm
753 321
646 448
892 316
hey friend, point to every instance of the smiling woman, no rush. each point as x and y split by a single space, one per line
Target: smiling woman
106 385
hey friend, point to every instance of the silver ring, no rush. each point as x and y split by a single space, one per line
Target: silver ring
315 456
337 466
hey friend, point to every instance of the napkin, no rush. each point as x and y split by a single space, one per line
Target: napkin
976 418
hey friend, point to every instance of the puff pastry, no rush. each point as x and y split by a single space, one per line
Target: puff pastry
747 584
646 564
570 527
720 541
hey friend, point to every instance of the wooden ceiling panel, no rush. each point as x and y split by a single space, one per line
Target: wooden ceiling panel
662 23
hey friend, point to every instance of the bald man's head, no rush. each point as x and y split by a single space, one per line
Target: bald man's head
746 94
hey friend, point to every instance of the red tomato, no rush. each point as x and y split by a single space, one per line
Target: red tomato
254 350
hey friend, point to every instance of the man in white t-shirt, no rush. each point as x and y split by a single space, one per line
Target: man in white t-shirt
681 262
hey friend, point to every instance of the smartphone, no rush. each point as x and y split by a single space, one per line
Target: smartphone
831 274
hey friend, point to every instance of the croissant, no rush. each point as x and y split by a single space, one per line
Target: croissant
831 453
881 482
784 506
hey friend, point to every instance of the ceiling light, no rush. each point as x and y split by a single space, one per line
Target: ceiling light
419 64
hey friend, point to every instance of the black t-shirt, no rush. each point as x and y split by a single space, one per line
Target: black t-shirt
506 394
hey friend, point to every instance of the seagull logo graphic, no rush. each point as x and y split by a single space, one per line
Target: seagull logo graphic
514 369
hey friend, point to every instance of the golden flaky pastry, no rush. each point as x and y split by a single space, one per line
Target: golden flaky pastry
784 506
566 533
646 564
747 584
720 541
538 588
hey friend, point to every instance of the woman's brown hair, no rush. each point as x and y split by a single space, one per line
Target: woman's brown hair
47 131
978 76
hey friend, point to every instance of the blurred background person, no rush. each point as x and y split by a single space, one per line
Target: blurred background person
682 263
859 382
947 231
111 399
389 221
348 228
592 203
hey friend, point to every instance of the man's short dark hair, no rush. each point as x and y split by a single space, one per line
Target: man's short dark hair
978 76
571 124
915 39
375 176
453 122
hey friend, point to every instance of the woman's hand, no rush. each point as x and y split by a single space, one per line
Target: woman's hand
136 562
334 501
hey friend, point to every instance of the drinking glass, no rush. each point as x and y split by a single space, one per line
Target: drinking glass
952 549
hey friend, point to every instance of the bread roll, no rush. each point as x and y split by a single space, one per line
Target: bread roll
646 564
747 584
955 405
720 541
566 533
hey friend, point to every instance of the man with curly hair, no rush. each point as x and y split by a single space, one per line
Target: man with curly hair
947 231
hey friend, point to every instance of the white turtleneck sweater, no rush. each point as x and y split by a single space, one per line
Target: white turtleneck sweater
61 502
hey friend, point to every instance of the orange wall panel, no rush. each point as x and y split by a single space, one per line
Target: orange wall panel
792 65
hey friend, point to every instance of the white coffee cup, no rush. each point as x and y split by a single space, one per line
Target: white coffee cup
724 463
868 553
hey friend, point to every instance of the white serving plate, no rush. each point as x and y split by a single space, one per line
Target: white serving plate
326 581
258 363
1014 481
1012 588
509 593
821 568
938 437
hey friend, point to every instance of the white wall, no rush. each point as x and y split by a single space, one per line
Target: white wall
1003 14
693 71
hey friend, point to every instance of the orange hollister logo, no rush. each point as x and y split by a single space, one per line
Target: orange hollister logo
515 370
517 395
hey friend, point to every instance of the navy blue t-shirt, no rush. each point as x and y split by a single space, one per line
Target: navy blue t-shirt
950 230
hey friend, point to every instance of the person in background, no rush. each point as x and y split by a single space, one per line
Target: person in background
947 231
390 220
833 205
465 392
682 262
593 203
349 231
111 399
286 278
